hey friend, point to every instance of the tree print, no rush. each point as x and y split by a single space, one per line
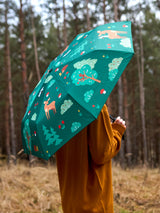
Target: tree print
51 136
113 68
84 76
27 134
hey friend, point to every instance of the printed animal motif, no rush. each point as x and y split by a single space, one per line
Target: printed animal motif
48 107
112 34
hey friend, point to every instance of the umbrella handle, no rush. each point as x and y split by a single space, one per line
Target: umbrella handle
113 120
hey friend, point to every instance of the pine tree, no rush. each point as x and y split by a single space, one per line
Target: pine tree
10 88
35 45
23 56
74 21
120 86
51 136
64 25
52 10
152 57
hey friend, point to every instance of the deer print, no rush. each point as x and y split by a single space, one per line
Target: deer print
48 107
112 34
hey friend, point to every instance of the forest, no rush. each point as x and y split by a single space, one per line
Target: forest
32 35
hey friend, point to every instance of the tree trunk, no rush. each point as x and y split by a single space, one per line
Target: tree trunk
7 127
157 126
88 17
142 99
116 8
35 46
76 19
135 144
23 58
139 70
24 65
126 115
120 89
109 100
104 12
58 31
8 68
64 25
120 85
140 65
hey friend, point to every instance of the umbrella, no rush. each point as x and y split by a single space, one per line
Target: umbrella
75 87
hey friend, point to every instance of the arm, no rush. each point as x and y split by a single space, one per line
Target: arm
104 138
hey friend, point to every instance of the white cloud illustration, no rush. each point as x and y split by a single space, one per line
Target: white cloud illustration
89 61
126 42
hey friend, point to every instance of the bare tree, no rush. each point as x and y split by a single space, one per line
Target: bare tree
120 87
24 65
35 45
157 122
126 115
109 100
142 96
116 8
58 30
8 69
64 25
7 126
23 57
75 12
88 17
104 12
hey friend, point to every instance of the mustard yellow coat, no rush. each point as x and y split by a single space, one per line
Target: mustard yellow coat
84 167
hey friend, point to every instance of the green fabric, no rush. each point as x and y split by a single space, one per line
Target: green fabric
75 87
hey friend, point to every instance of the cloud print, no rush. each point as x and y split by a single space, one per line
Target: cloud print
115 63
90 62
113 68
88 95
126 42
48 79
75 126
65 106
112 74
34 117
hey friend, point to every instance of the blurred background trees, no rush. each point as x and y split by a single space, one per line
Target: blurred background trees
30 38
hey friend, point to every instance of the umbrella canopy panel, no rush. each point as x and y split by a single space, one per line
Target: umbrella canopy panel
75 87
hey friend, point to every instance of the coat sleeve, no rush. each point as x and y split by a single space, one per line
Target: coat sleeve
104 138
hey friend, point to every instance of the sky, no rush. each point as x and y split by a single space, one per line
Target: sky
35 3
38 9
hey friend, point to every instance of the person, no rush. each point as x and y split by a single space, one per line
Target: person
84 166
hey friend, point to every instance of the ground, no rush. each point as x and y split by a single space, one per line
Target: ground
36 190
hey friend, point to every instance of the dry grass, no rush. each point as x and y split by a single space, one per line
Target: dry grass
136 190
28 190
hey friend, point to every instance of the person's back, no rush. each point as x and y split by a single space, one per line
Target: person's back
84 167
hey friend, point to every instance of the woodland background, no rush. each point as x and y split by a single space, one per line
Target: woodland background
30 39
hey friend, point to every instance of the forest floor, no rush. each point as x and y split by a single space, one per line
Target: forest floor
25 189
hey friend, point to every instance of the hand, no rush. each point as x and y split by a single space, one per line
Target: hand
120 121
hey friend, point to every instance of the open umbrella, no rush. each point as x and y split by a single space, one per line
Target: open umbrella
75 87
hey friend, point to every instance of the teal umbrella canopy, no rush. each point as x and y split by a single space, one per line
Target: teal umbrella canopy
75 87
